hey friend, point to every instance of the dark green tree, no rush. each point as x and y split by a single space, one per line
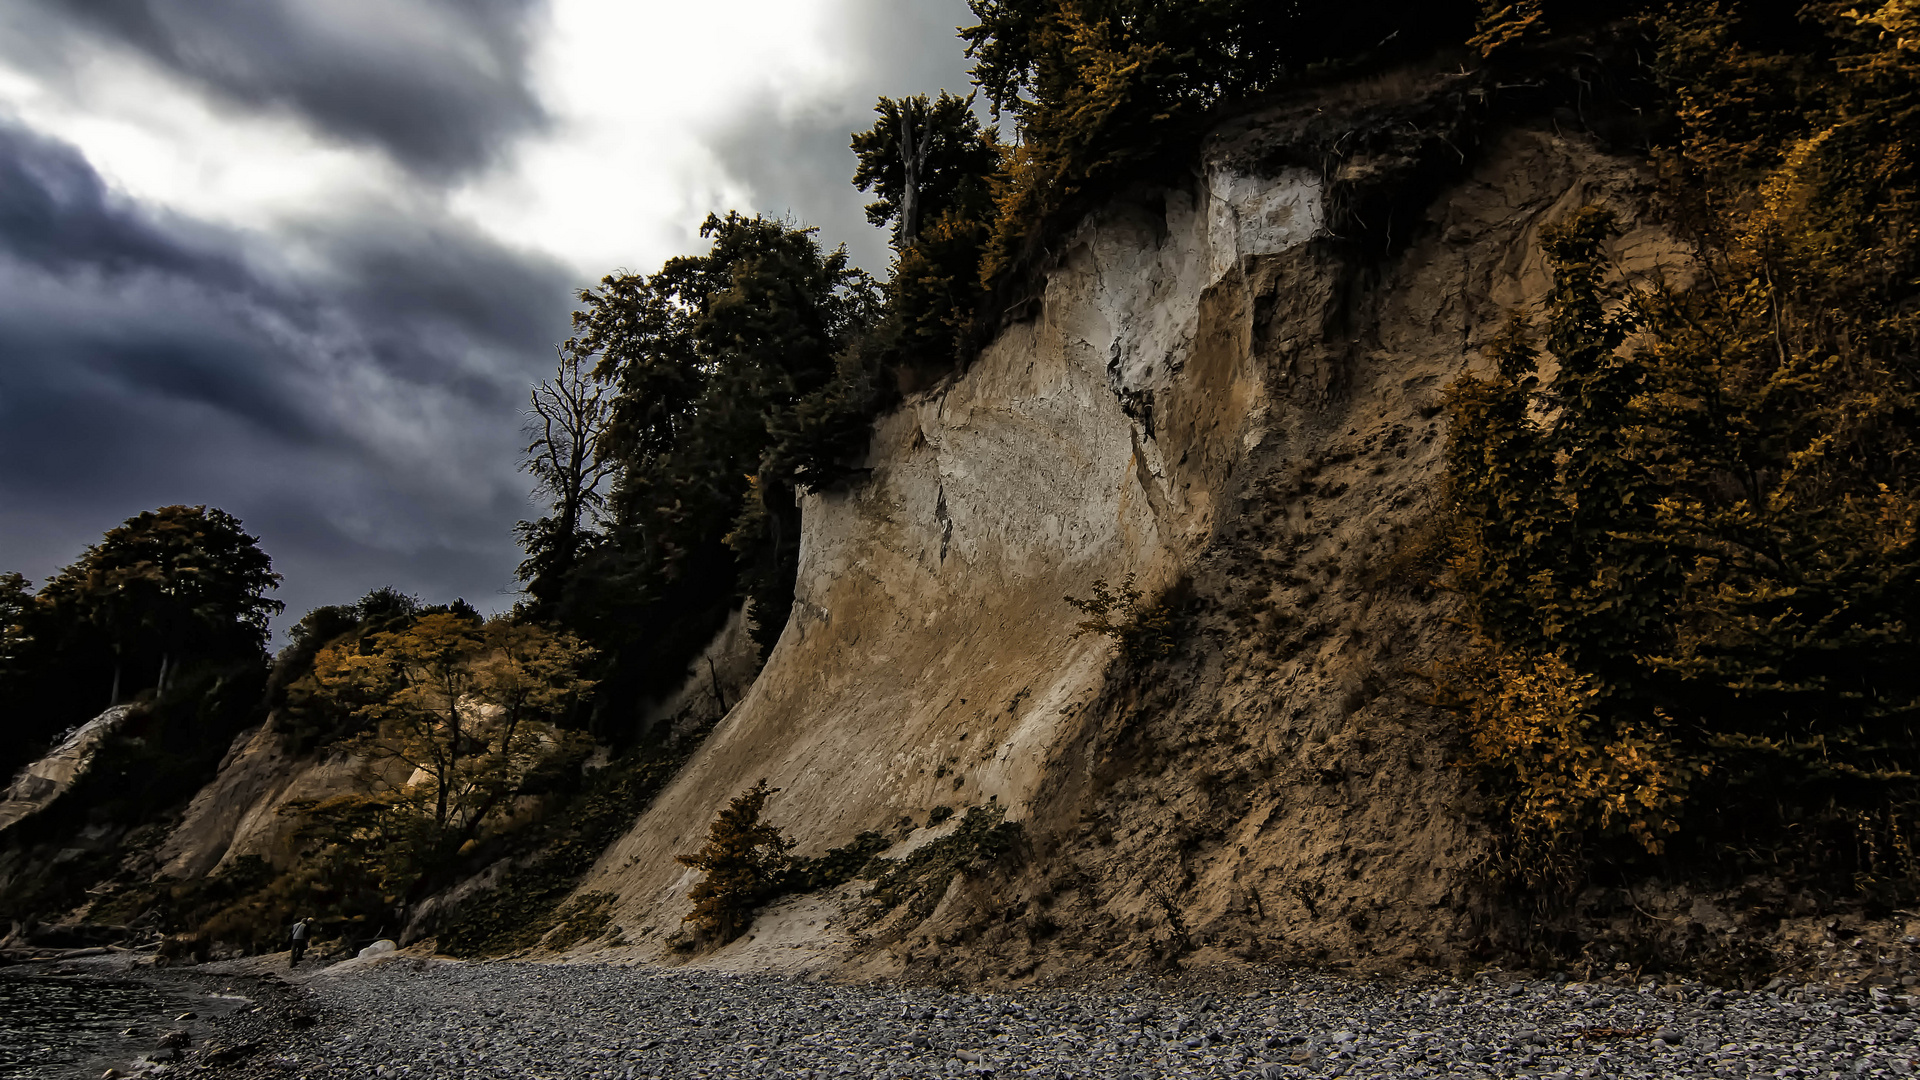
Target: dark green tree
174 584
16 607
726 375
921 159
931 163
172 598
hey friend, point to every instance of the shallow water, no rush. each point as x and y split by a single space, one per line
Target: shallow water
68 1025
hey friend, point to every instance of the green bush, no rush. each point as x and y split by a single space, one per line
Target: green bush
921 879
1144 631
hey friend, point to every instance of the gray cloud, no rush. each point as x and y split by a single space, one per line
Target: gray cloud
360 413
801 164
351 385
56 212
439 85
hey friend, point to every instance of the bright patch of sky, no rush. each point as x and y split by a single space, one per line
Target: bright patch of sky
169 145
620 178
303 259
626 174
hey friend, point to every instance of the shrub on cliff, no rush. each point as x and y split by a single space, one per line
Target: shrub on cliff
920 880
1142 630
743 862
1690 558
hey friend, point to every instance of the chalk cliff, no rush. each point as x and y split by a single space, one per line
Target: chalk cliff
45 780
1228 392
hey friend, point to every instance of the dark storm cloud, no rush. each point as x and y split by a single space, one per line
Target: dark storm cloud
800 163
59 223
351 388
440 85
421 290
56 212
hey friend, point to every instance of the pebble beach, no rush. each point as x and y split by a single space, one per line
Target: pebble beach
429 1020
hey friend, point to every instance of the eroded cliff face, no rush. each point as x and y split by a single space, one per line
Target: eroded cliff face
239 815
930 658
1231 392
1220 395
45 780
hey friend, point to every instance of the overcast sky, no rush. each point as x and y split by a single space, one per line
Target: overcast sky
303 259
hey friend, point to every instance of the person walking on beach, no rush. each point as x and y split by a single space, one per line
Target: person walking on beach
299 935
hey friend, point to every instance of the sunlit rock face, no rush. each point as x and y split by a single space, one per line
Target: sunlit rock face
239 814
1218 394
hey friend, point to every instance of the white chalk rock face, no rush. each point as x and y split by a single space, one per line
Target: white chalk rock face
930 658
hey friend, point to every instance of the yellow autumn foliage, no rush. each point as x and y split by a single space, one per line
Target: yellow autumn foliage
1573 769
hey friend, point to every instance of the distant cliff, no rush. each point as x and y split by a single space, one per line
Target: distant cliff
45 780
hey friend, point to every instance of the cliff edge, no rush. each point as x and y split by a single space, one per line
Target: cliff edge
1227 393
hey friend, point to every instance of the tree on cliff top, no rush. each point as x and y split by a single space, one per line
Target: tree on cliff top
16 604
566 420
167 586
921 158
1101 89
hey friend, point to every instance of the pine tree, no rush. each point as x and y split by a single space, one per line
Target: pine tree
743 861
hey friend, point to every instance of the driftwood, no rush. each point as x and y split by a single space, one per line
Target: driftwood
28 955
31 955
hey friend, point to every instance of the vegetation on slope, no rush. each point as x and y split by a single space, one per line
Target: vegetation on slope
1691 557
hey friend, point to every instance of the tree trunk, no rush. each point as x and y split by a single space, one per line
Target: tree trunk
470 828
453 765
910 189
114 697
714 674
913 158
